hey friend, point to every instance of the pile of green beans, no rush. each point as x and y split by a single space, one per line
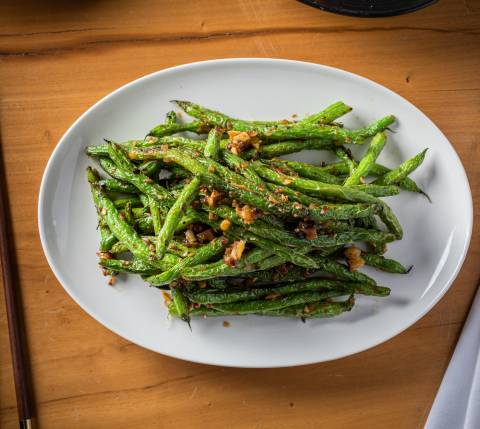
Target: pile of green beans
226 227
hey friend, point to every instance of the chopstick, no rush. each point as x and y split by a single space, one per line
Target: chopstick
18 346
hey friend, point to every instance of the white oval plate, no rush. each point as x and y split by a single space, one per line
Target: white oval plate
436 238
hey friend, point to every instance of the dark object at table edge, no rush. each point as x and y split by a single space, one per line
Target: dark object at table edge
367 13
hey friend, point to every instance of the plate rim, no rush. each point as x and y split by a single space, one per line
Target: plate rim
56 271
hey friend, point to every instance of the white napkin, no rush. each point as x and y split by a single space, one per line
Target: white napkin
457 404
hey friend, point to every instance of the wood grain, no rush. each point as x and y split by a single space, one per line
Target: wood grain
57 58
14 307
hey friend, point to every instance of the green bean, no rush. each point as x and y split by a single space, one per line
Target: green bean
145 200
270 123
337 168
142 182
145 225
173 128
218 283
182 142
180 302
107 239
390 220
242 167
328 191
149 142
352 235
287 147
367 222
257 306
291 131
96 151
122 202
258 259
102 150
365 165
200 311
328 115
315 310
175 248
377 190
294 195
180 249
371 290
157 214
121 229
281 166
145 222
175 214
114 185
247 264
177 186
128 214
407 183
189 218
280 274
212 117
212 148
235 295
341 272
332 226
330 133
308 171
204 297
138 267
118 248
377 170
384 264
203 254
110 168
403 170
150 168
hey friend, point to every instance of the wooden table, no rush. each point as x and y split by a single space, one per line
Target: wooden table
59 57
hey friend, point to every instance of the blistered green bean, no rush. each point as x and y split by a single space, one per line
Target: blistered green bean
175 214
366 163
